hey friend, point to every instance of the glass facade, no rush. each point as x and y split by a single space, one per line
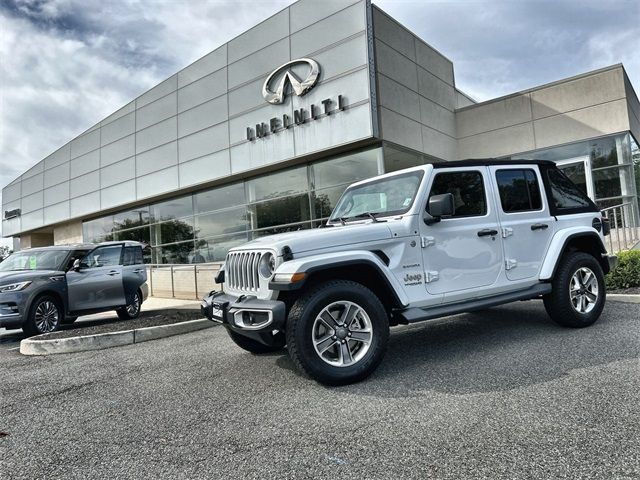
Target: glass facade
203 226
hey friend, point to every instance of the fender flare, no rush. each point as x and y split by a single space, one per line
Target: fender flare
327 261
558 246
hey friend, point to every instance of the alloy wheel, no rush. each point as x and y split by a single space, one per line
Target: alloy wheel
133 307
583 290
47 316
342 334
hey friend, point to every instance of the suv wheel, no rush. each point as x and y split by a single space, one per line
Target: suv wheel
253 346
578 294
337 332
44 316
132 310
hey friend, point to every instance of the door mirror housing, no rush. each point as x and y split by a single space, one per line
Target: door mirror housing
439 206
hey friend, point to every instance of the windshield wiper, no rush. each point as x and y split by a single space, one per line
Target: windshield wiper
371 215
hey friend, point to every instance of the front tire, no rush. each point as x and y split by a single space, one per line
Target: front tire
132 310
337 332
45 316
578 294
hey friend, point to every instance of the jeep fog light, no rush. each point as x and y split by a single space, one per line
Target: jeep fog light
289 277
252 320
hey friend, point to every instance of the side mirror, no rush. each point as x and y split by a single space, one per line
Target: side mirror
76 265
439 206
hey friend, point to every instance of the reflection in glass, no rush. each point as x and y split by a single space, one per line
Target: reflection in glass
603 152
219 198
347 169
94 230
279 184
326 200
175 253
218 223
172 231
215 249
174 208
280 211
131 218
607 182
283 229
398 159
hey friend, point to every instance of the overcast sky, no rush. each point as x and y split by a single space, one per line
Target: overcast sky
66 64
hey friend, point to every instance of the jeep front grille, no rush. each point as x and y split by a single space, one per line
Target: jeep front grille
242 271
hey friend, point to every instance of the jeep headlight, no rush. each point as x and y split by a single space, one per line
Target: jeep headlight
14 287
267 265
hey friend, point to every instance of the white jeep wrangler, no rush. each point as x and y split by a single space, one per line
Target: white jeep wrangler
410 246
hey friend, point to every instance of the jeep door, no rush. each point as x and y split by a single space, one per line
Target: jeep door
464 251
98 284
527 225
134 273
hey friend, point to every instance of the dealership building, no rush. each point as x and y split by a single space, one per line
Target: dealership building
263 134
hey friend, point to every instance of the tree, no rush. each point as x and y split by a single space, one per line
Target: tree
5 252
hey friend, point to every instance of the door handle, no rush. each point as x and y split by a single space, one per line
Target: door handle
487 232
113 273
539 226
138 271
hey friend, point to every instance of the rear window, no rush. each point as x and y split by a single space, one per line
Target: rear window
566 197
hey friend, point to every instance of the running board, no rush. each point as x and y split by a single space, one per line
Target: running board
413 315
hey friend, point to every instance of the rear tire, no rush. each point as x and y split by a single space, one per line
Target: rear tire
337 332
578 294
45 315
132 310
253 346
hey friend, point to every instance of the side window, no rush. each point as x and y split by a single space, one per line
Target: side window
467 189
103 257
519 190
132 256
565 195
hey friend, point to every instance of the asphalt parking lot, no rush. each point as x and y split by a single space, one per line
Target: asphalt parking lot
499 394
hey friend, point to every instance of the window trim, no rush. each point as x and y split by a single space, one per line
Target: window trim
515 212
487 210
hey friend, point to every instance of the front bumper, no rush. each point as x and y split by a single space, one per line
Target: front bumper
11 309
260 320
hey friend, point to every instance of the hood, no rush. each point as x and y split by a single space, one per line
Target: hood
15 276
319 238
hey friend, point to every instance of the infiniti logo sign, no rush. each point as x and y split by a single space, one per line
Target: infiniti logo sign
299 87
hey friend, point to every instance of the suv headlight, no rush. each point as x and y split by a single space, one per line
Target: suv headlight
14 287
267 265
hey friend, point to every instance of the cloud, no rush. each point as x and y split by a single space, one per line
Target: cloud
66 64
500 47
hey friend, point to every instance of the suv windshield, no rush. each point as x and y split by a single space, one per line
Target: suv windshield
34 260
386 196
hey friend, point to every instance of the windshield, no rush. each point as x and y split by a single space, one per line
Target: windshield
385 196
34 260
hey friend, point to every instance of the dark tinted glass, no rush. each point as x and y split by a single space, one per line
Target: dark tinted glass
132 256
215 249
325 200
281 211
95 230
176 253
519 190
137 235
564 193
467 189
219 198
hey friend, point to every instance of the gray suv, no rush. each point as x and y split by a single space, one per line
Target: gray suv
42 288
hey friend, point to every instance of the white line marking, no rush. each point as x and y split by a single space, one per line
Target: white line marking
15 348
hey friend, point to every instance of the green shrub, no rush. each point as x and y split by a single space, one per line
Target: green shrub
627 272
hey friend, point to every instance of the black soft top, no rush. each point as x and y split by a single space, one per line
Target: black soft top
486 162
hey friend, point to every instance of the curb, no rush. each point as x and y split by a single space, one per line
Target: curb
43 346
624 297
